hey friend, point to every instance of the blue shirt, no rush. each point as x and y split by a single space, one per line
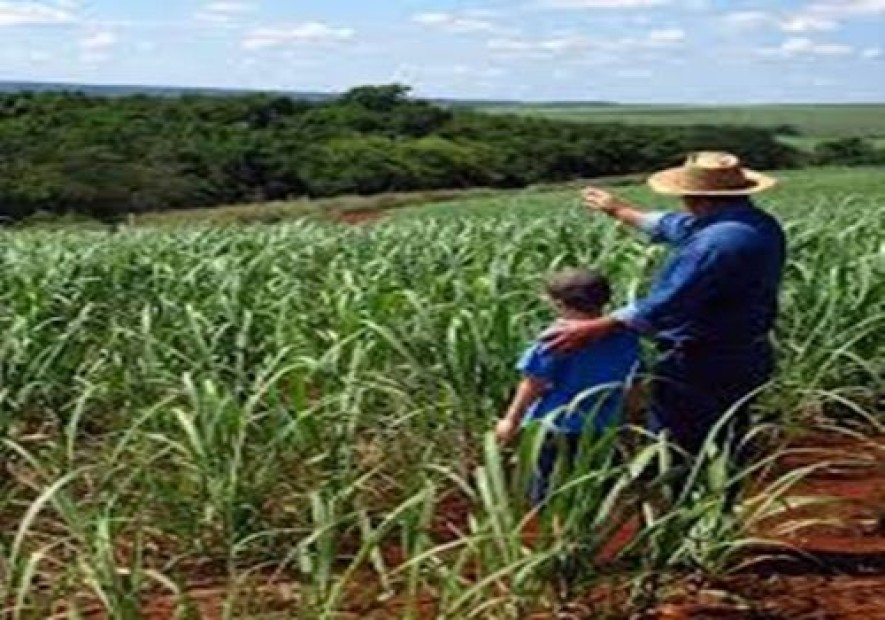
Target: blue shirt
584 384
720 284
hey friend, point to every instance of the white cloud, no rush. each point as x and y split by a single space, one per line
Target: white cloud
229 7
224 12
654 39
801 46
471 79
839 8
538 48
95 48
808 23
604 4
747 19
574 44
98 41
511 45
450 22
308 32
33 13
818 16
799 23
871 53
666 36
480 72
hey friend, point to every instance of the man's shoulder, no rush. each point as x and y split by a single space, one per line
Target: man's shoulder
760 229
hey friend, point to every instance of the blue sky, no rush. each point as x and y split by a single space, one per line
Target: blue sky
709 51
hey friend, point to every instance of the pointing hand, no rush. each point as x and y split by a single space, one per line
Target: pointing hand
597 199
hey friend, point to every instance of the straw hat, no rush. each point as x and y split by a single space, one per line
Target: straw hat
710 173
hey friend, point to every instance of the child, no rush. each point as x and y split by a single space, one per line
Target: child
570 389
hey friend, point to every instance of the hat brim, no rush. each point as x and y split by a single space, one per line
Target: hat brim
672 183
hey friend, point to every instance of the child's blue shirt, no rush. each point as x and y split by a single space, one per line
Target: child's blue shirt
587 384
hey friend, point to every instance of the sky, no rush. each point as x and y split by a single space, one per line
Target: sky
688 51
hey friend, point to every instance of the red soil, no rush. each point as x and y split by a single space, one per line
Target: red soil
838 571
359 217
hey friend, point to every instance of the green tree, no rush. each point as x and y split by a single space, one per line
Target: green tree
377 98
847 152
68 152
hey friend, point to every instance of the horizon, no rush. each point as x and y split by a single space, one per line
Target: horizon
637 52
77 86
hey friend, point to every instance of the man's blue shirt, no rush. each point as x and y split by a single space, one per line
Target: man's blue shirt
587 384
719 287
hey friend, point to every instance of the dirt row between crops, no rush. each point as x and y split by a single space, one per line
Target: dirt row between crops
359 217
838 569
836 573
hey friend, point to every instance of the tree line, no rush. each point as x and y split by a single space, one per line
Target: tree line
65 153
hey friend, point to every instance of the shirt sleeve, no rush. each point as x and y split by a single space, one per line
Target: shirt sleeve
686 283
649 222
538 363
671 228
629 315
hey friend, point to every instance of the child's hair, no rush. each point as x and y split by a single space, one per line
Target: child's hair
580 289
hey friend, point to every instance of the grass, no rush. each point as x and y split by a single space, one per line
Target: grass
268 213
808 143
816 121
276 212
341 208
300 403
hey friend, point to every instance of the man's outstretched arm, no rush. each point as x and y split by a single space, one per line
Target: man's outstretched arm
660 226
600 200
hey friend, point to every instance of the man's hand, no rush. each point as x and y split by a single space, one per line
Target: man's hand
597 199
567 336
506 431
601 201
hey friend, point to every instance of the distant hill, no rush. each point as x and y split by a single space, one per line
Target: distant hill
810 122
99 90
111 155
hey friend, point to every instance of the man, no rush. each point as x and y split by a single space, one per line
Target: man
712 307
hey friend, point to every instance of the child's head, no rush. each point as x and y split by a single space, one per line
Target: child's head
579 291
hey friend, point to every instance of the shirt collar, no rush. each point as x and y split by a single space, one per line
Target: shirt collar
738 203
